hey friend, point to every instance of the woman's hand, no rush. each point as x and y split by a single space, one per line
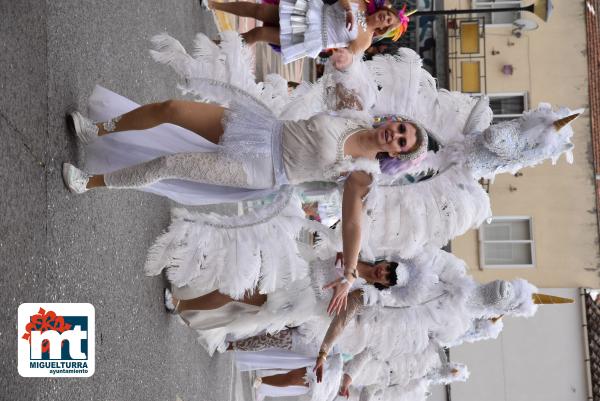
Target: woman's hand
319 368
349 19
345 387
341 59
339 299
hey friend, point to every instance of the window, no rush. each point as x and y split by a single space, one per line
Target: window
506 242
471 76
507 106
498 18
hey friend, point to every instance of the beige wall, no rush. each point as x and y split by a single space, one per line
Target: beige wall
550 65
537 359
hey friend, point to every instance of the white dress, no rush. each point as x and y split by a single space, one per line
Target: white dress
257 151
257 154
308 27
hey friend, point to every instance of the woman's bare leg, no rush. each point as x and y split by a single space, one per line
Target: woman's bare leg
292 378
268 13
215 300
269 34
202 118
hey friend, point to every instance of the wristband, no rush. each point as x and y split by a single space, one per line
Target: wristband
352 272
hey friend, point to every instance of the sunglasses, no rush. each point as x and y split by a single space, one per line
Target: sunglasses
402 129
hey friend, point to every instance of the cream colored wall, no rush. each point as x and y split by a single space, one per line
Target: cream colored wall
550 65
537 359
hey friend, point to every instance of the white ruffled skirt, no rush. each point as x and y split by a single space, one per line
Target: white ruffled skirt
252 138
301 29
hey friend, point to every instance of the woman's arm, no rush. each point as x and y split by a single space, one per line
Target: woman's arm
356 188
336 328
361 43
341 59
363 38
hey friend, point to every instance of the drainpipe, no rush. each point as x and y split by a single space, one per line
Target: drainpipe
586 345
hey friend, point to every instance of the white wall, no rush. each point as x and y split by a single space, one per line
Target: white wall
536 359
438 393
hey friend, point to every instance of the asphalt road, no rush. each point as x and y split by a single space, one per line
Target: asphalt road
59 247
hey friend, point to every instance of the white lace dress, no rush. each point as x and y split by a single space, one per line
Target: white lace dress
257 151
257 154
307 27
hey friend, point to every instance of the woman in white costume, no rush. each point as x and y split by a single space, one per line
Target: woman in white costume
408 215
285 372
355 335
218 319
417 389
438 302
449 202
304 28
252 149
376 380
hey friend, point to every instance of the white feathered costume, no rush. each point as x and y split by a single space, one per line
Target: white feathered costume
406 212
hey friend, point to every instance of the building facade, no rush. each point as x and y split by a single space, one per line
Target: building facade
545 225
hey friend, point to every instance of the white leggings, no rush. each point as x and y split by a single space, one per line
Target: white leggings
208 168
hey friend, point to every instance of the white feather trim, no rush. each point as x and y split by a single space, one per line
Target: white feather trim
219 252
219 73
429 213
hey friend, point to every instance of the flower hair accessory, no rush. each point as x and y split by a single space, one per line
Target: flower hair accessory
422 138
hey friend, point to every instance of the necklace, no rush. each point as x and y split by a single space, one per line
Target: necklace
361 19
342 140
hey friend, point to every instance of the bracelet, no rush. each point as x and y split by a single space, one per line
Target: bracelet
322 354
344 280
352 272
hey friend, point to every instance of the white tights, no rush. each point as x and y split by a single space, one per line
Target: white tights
209 168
